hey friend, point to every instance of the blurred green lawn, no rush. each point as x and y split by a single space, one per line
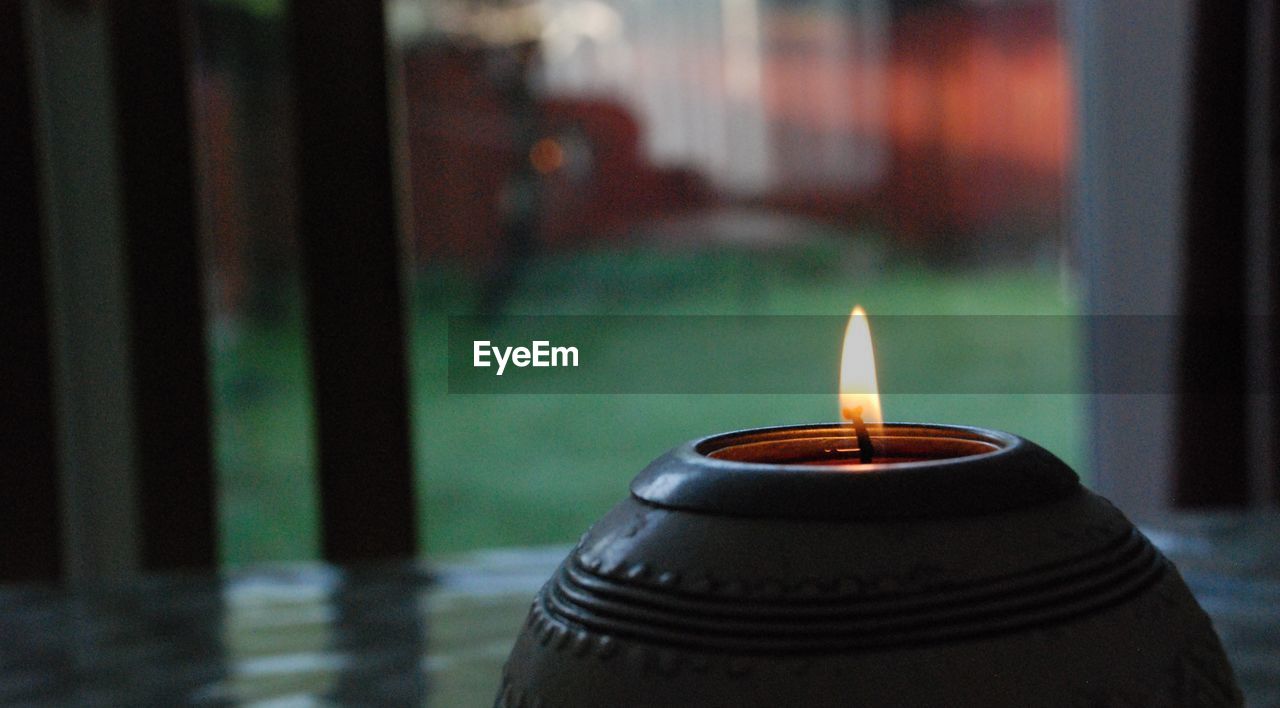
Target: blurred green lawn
510 470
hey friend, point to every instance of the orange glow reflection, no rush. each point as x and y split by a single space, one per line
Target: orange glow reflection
546 155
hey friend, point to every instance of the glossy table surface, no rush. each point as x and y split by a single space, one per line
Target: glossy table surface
437 633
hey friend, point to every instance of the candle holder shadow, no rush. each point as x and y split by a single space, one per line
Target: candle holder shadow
959 567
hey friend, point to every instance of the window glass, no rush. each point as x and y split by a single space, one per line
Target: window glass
725 157
261 391
612 158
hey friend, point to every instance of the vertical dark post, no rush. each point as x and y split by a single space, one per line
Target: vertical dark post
176 487
351 257
30 543
1272 141
1212 449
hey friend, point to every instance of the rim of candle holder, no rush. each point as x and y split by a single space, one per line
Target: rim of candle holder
920 471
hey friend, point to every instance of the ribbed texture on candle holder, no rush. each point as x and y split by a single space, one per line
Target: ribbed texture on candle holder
1015 595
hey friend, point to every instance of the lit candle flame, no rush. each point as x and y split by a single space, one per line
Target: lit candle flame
858 386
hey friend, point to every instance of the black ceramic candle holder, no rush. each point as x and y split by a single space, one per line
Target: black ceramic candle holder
959 567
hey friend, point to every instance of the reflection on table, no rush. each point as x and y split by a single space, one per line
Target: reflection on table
437 634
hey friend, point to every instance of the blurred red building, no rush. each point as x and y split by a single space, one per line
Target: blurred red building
938 126
971 131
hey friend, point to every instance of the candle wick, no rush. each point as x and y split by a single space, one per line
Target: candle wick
866 452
